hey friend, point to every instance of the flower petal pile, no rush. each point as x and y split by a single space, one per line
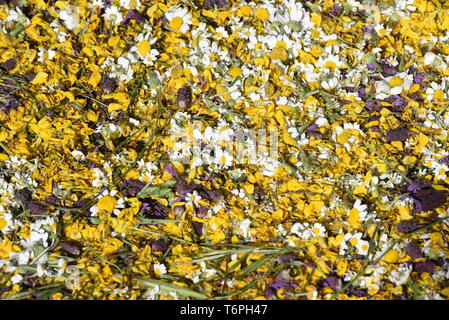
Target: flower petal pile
224 149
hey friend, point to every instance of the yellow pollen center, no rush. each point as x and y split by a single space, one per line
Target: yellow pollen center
395 81
330 65
438 94
2 223
107 203
176 23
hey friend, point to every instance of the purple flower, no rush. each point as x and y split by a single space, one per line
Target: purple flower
368 30
154 209
145 206
131 187
428 199
71 248
376 129
424 267
336 10
201 79
184 98
198 227
357 292
269 293
170 170
311 131
418 78
83 204
372 106
159 246
36 208
134 15
398 102
413 250
10 64
211 4
388 70
312 127
371 66
23 195
407 226
400 134
283 276
29 76
413 187
278 285
53 201
332 281
361 92
417 185
108 84
11 103
444 159
416 96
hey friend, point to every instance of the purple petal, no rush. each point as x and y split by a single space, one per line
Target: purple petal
71 248
400 134
170 170
413 250
444 159
429 199
407 226
424 267
134 15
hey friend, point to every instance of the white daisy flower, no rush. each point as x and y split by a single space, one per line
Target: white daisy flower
436 91
159 269
193 198
401 274
113 15
179 19
318 230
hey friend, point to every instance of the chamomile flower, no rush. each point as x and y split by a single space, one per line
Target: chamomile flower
358 213
221 33
318 230
436 91
179 19
401 274
6 221
381 30
362 247
70 16
45 55
193 198
113 15
329 83
159 269
109 203
130 4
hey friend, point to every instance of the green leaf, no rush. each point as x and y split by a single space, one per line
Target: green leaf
94 220
168 287
162 191
255 265
169 183
156 221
